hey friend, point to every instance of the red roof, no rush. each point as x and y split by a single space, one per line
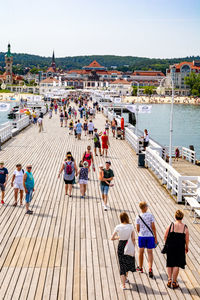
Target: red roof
189 63
147 73
51 69
121 81
94 64
49 80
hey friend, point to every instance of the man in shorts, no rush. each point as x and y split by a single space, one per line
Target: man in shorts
147 237
107 178
90 128
3 180
97 143
28 183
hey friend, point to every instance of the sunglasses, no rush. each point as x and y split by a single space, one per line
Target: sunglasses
29 167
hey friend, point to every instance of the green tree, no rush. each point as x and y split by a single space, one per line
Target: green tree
134 91
148 90
193 81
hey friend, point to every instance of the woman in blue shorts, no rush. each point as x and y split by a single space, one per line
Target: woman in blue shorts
147 237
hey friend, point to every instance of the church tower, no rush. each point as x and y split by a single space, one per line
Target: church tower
53 63
9 63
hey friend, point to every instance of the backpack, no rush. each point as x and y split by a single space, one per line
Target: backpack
68 168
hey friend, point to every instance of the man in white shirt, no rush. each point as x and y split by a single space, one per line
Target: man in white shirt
147 237
90 128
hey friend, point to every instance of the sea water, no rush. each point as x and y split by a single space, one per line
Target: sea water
186 125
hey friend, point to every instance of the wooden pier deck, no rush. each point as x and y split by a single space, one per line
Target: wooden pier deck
185 168
64 251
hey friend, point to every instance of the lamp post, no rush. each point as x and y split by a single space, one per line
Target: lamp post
137 108
171 118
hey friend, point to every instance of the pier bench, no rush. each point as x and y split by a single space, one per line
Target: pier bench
194 202
196 215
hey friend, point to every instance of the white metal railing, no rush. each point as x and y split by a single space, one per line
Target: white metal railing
6 133
185 153
180 186
21 123
189 155
132 139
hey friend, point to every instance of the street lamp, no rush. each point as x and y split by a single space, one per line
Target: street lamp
137 108
171 116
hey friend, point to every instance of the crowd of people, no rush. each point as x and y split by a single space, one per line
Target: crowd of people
81 121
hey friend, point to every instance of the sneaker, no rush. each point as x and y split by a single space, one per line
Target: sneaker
127 281
139 269
29 212
150 273
123 288
105 208
2 202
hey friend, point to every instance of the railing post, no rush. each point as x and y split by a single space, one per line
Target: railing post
0 143
179 194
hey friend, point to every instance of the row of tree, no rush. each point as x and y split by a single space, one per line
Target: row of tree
124 63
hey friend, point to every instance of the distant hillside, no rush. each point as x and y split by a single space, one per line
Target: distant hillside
123 63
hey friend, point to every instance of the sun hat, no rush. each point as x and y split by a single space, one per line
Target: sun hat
85 164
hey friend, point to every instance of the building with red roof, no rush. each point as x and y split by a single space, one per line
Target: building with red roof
178 72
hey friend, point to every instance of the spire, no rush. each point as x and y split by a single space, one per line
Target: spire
53 58
8 54
53 63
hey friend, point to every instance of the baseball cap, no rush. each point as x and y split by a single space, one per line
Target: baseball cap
108 162
101 166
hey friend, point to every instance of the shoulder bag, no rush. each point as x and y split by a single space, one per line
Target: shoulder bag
129 248
165 247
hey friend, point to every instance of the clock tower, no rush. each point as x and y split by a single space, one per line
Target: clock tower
9 63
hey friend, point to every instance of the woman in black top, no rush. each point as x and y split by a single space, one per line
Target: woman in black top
177 247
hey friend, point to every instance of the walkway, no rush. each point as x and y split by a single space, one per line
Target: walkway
64 250
186 168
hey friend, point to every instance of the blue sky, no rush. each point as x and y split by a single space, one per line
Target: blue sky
150 28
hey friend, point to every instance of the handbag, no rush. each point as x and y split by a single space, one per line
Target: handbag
165 247
149 229
129 248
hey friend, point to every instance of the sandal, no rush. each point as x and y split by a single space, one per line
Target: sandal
169 283
175 285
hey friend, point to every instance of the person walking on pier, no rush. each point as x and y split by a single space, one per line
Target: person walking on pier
88 156
17 182
107 127
124 232
97 143
79 130
85 127
70 170
28 183
108 176
83 178
147 237
105 143
113 126
61 118
177 239
3 180
90 128
40 124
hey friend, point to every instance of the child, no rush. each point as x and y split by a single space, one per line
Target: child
101 176
83 178
71 126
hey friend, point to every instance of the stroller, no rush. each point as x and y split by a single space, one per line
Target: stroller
120 133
